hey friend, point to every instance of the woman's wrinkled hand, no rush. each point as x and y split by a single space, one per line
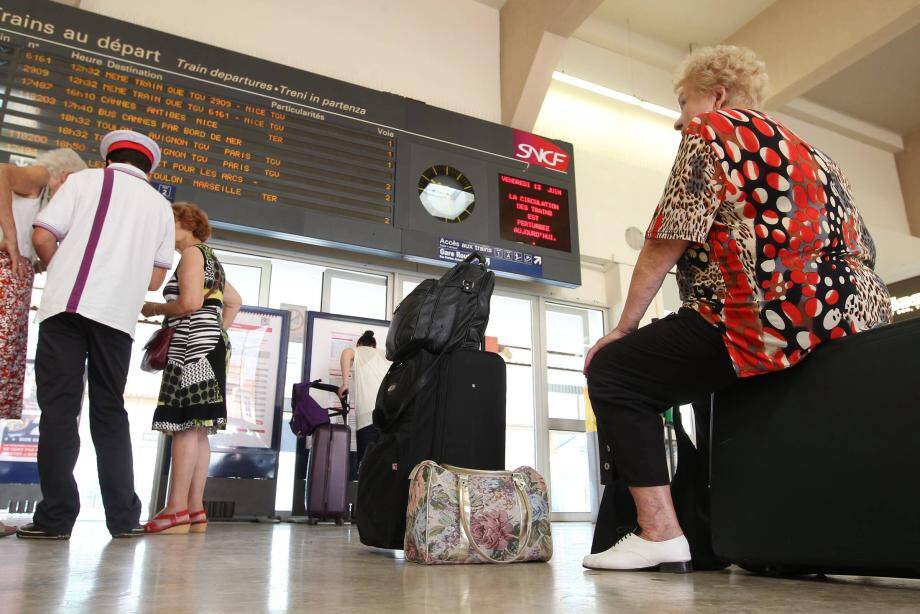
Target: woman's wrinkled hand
615 335
11 245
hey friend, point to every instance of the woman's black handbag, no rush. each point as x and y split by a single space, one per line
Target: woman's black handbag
444 314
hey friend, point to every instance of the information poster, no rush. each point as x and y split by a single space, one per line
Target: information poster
328 336
256 339
19 438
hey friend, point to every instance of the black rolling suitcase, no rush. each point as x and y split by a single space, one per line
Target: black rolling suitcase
815 469
457 418
470 414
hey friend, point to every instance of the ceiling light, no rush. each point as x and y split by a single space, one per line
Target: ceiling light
660 110
615 95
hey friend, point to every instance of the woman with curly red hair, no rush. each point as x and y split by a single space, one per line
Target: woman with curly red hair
200 306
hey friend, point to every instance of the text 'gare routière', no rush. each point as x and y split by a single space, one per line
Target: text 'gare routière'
214 139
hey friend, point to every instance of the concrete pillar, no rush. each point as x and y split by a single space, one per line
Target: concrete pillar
908 162
533 33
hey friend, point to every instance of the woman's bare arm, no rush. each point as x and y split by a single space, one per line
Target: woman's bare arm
658 256
191 288
233 302
346 361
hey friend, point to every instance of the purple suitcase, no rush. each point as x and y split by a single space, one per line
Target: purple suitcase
327 476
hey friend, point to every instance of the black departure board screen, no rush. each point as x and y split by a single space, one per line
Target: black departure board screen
534 213
281 153
219 143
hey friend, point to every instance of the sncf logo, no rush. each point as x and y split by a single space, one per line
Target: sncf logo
535 150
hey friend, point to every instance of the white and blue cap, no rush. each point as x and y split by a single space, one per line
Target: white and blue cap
129 139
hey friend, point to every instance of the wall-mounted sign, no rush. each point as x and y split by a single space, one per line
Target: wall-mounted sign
534 213
536 150
268 149
499 259
905 299
168 191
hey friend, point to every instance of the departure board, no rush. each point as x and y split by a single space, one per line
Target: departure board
274 151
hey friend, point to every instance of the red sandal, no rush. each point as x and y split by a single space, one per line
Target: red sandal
199 522
176 524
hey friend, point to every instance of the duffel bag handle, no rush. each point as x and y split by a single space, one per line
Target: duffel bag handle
463 493
476 256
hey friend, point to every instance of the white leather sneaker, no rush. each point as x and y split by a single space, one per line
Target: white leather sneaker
632 553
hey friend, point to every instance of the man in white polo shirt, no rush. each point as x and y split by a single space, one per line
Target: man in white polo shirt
107 237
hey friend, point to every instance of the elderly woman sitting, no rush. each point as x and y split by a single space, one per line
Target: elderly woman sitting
772 259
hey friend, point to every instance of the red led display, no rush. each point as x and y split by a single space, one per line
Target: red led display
534 213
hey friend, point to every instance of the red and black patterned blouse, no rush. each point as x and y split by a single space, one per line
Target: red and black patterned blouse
780 259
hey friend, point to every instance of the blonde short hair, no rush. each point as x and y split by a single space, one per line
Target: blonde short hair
737 69
60 161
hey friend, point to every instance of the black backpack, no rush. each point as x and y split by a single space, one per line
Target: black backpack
444 314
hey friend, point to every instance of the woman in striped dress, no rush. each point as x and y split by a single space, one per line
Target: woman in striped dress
200 306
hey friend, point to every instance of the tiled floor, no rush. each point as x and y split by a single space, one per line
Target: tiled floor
285 567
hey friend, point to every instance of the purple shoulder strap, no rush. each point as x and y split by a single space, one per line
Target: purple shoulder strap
102 209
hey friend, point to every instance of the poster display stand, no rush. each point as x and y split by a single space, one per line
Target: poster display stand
242 478
19 486
328 334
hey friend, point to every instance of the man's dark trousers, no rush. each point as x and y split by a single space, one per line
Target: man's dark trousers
67 343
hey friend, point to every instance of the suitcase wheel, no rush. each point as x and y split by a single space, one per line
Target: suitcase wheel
339 522
313 521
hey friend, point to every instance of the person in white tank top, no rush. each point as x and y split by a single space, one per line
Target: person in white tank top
23 191
370 366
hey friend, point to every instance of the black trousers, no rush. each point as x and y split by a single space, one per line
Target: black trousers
67 343
631 382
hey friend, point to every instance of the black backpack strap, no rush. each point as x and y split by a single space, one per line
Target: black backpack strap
420 384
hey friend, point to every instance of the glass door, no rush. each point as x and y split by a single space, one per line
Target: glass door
571 453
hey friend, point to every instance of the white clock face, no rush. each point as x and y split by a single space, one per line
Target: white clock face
445 201
446 194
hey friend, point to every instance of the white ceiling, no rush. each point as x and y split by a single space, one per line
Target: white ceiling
677 23
883 88
495 4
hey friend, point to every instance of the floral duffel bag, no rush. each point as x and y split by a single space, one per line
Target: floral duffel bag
458 516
